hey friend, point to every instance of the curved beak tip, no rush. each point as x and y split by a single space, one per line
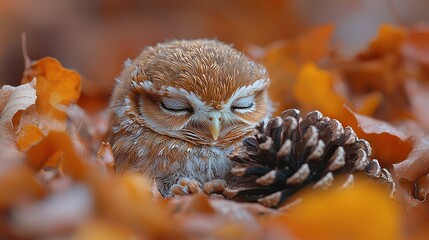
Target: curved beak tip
215 136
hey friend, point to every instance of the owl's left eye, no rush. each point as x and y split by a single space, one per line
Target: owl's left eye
176 105
243 104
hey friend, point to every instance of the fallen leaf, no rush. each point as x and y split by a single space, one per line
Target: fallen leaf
18 184
336 214
389 144
418 94
284 60
417 164
56 87
314 90
380 69
416 46
62 210
106 231
28 135
12 100
389 40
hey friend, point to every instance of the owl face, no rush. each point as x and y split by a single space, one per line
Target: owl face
202 92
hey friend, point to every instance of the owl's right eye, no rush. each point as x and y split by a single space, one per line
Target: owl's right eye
177 106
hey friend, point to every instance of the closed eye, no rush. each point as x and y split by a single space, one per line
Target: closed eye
243 104
176 107
237 107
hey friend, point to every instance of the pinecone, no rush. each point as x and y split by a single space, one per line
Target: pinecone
290 152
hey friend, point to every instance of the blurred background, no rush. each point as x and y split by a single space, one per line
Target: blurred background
95 37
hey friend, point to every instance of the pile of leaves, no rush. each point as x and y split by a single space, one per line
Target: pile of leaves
56 178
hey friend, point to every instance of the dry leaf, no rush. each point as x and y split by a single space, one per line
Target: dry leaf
363 212
388 40
18 184
63 210
105 231
416 46
12 100
314 90
418 94
417 164
285 59
389 144
56 87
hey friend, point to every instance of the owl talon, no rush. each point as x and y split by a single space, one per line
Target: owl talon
185 187
214 186
179 190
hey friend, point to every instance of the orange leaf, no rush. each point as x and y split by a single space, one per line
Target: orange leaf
362 212
104 230
28 135
17 183
314 90
284 59
56 86
388 40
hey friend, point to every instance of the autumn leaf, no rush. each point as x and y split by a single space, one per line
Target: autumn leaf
56 87
314 89
12 100
380 69
416 46
388 41
418 94
389 144
416 166
340 214
285 59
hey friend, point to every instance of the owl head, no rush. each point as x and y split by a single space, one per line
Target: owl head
203 92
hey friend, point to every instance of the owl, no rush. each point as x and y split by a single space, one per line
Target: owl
181 107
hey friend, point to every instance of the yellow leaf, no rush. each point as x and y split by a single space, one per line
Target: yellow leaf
313 90
363 212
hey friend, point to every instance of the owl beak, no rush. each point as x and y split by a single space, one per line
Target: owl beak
215 123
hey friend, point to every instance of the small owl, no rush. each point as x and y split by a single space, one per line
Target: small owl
180 108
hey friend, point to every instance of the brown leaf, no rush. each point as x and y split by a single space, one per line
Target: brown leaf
389 144
416 46
418 94
380 69
417 164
